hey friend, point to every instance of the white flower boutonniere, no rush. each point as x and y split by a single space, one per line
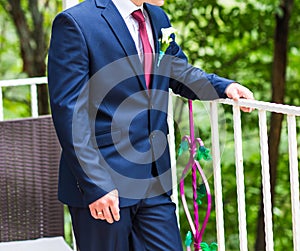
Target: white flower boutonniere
165 41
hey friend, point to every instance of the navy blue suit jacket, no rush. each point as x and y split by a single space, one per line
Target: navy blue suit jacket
111 128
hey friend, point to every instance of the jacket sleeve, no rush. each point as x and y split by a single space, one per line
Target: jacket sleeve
68 82
192 82
189 81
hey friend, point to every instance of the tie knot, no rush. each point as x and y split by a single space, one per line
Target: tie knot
138 16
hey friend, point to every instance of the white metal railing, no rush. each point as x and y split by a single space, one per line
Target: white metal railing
32 82
263 107
69 3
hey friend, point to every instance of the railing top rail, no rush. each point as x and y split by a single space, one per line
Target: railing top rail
261 105
23 81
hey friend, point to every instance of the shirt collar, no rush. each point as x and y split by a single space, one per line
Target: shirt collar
126 7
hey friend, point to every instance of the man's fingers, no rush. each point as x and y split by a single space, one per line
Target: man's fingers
114 207
106 207
235 95
115 211
93 213
107 215
232 92
246 93
97 214
100 215
246 109
236 91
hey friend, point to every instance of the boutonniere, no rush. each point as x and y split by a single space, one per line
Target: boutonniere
164 41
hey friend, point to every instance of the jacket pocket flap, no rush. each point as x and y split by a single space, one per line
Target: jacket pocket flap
108 138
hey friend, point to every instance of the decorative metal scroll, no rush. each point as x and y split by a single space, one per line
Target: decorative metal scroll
197 152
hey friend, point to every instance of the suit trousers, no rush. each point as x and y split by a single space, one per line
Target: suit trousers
149 225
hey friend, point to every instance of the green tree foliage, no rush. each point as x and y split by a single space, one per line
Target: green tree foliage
9 52
26 29
235 39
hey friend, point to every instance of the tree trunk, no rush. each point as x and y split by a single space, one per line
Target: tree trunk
278 91
33 46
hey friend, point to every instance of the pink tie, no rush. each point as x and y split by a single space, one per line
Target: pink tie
139 17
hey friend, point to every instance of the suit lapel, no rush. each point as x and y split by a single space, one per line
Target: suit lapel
154 25
154 19
120 30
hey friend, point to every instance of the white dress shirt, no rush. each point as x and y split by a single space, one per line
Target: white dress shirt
126 7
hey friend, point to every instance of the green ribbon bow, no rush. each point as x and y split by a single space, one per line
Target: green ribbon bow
212 247
188 239
203 153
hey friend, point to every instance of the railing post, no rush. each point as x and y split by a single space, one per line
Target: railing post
171 140
240 180
294 176
69 3
264 153
217 175
1 105
34 101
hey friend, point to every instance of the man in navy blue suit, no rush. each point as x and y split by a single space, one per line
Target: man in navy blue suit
109 78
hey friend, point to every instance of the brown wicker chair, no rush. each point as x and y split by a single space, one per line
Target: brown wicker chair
29 157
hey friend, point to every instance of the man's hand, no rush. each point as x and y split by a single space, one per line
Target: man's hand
236 91
107 207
